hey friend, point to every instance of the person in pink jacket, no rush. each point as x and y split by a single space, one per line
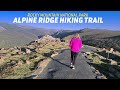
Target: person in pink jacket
75 46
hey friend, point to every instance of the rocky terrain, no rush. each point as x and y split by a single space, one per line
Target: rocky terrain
18 62
100 38
17 35
91 63
32 60
105 63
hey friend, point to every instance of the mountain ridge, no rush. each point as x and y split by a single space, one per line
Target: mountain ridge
95 37
13 34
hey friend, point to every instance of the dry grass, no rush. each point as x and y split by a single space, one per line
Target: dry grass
27 62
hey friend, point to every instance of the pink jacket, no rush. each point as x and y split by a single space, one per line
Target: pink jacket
75 44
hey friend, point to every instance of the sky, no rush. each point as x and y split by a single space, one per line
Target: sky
111 20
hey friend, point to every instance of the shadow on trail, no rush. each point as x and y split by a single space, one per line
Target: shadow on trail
62 63
61 51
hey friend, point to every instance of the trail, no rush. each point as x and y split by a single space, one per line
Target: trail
59 68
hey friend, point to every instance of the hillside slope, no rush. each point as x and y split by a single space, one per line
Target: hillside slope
95 37
14 35
17 62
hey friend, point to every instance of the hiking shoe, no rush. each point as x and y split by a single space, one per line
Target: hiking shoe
73 67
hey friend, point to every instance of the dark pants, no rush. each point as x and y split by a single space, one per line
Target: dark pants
73 57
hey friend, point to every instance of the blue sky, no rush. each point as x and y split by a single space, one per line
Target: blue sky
111 19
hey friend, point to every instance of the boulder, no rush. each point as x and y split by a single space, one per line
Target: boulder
28 51
57 40
97 72
31 46
101 76
16 51
101 57
97 50
62 40
15 47
13 62
52 52
11 49
48 54
2 49
103 49
56 53
88 53
33 50
23 49
47 38
112 62
93 68
24 53
36 40
111 50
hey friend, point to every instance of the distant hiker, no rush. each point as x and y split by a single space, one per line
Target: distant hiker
75 46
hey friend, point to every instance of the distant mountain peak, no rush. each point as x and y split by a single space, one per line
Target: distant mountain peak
2 29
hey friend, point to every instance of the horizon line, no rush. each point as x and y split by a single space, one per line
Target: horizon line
60 28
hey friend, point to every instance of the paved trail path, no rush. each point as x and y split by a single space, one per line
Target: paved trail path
59 68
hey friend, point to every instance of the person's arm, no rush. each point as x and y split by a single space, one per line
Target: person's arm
81 44
70 43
